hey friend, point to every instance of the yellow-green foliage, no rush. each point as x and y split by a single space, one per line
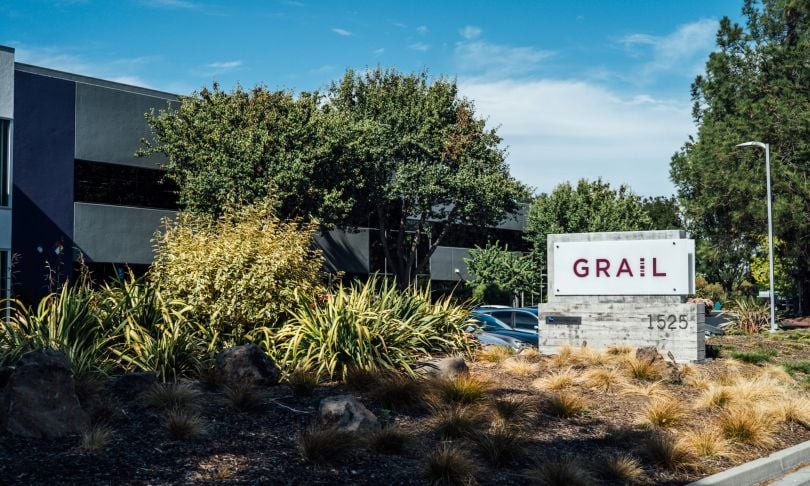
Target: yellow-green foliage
239 271
370 326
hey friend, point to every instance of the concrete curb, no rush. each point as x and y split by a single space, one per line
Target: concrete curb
770 467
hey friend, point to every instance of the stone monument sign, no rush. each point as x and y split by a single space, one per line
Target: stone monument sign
622 288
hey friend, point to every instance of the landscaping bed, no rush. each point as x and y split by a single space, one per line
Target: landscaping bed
580 413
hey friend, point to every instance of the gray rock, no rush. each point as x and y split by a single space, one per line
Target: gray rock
443 368
346 413
130 385
649 354
246 364
40 398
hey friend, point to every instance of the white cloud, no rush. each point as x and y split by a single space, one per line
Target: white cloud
482 58
419 46
379 51
118 70
422 30
470 32
342 32
224 66
565 130
678 51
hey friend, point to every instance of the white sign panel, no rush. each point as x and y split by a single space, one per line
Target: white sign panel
626 267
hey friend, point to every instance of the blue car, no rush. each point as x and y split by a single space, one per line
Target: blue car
516 323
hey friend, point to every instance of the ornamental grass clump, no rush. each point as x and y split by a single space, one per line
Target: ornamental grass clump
618 469
747 425
663 412
495 353
326 445
707 443
565 471
450 465
372 326
565 404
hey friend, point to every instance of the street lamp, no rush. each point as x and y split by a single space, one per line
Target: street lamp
770 222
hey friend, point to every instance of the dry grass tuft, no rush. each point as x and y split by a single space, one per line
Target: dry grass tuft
512 411
563 472
399 392
556 381
531 355
620 350
182 424
707 443
320 446
244 397
171 396
388 440
495 354
664 451
450 465
758 389
641 369
360 379
521 367
716 397
463 390
663 412
302 382
499 448
591 357
649 390
619 469
795 410
601 378
95 438
565 404
458 421
778 375
565 358
698 382
747 425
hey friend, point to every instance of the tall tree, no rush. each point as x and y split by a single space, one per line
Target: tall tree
590 206
428 162
664 212
500 275
236 148
756 87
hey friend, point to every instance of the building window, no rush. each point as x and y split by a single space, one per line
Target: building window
123 185
5 162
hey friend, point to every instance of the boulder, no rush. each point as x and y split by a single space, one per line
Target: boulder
443 368
40 398
130 385
649 354
246 364
346 413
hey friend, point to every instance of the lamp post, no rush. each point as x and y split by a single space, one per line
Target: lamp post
770 223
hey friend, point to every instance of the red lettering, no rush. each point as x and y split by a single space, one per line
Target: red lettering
624 267
602 265
656 273
581 268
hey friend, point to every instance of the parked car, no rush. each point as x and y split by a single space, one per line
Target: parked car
517 324
489 339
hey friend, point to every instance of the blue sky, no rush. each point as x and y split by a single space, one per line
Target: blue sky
577 88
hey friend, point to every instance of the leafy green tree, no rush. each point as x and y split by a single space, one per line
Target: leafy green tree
426 162
230 149
499 274
755 88
663 212
760 267
589 207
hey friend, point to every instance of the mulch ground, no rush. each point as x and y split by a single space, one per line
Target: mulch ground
261 446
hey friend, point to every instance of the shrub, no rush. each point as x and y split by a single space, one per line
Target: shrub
372 326
619 469
183 424
747 425
495 354
449 465
65 321
752 316
239 271
797 367
664 412
565 404
562 472
326 445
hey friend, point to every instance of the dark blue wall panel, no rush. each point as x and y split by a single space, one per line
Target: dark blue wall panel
42 215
